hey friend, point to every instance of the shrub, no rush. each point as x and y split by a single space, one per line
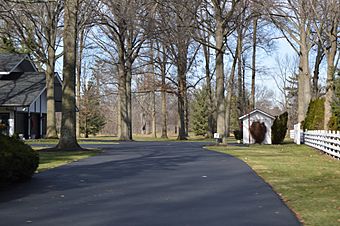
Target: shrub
258 131
279 128
315 115
334 122
18 161
238 134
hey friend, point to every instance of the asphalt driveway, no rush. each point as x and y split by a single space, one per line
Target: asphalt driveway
147 183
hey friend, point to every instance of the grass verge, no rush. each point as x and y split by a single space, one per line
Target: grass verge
115 140
80 141
308 181
52 159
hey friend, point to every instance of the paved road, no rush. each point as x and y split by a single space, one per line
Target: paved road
147 183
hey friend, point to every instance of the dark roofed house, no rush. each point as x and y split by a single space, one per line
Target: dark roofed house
23 102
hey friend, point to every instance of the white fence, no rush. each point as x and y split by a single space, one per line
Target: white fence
326 141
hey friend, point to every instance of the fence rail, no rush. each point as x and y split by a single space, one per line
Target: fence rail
326 141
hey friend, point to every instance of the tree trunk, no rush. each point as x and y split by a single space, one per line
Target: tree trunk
244 98
129 98
68 138
78 71
181 70
318 60
154 124
331 53
220 120
186 103
253 69
123 118
304 85
240 105
152 67
181 106
163 90
230 92
209 100
123 106
51 130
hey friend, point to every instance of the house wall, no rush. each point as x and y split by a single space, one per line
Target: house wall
39 104
30 126
257 117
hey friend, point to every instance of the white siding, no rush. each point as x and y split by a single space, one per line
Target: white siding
11 123
257 117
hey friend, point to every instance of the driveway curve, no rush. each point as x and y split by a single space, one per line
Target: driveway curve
146 184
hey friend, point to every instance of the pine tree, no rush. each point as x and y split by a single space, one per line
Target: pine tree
315 115
292 99
91 118
279 128
200 112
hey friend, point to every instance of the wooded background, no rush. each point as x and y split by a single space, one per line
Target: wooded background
171 66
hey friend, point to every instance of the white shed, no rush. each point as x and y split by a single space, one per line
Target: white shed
257 116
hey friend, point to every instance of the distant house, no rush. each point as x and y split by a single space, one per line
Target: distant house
257 116
23 101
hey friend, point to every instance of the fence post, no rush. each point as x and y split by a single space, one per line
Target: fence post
297 133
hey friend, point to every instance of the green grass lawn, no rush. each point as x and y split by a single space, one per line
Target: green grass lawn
114 140
308 181
80 141
52 159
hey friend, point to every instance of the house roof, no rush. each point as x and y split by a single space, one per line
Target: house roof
21 89
9 61
259 111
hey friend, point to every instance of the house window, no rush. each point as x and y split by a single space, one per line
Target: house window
4 125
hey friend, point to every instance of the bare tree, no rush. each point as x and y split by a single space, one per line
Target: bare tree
123 24
86 19
292 19
318 60
204 35
253 68
285 78
162 62
223 14
68 138
176 19
230 87
326 21
153 73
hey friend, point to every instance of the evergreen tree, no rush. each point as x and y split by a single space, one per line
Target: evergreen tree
291 91
315 115
200 112
91 118
334 123
279 128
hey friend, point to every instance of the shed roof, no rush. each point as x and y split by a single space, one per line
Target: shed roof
21 89
257 111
